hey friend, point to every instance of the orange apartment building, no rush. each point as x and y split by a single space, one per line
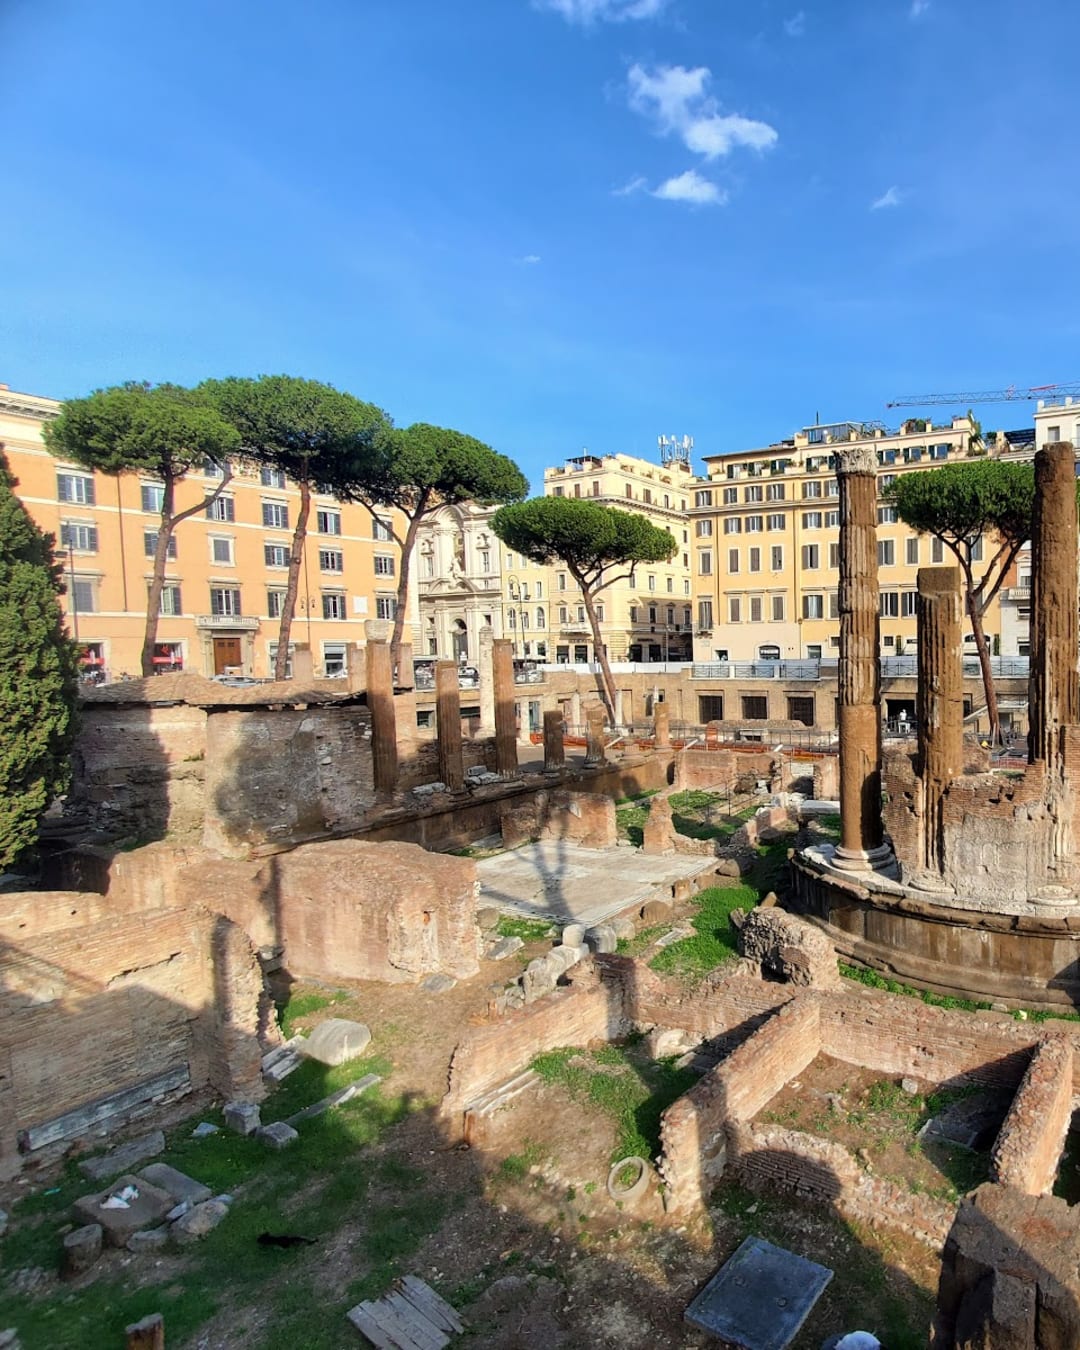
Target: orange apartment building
227 571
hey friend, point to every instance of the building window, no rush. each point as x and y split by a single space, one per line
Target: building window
630 494
333 660
596 489
734 609
271 656
1053 435
733 525
485 560
670 585
276 555
775 492
754 493
733 561
328 522
730 496
886 515
755 609
886 552
832 488
813 606
275 603
711 707
81 596
778 609
221 550
212 469
75 487
560 580
775 522
384 531
801 708
755 707
221 508
889 604
834 605
812 520
705 615
149 540
811 490
937 551
333 560
225 601
705 561
80 538
755 560
776 557
275 515
811 557
911 551
754 524
703 529
834 555
170 600
271 478
908 604
652 578
541 621
151 497
564 614
832 519
977 550
385 607
333 605
703 498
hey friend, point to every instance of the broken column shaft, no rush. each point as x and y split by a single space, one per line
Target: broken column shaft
1054 694
502 662
594 736
380 700
661 727
448 721
860 675
940 698
554 748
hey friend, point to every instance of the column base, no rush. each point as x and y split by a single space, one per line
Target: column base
880 859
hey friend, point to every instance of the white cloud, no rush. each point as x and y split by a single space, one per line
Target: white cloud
691 187
796 25
604 11
628 189
890 198
918 8
675 99
531 259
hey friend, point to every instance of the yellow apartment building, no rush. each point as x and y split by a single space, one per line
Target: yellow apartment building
650 618
228 566
765 542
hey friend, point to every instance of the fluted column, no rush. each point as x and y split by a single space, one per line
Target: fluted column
661 726
554 746
594 736
861 845
1054 693
448 723
940 699
502 662
380 701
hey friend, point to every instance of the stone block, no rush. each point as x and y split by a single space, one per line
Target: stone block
438 983
148 1240
147 1207
499 951
624 926
789 948
241 1117
337 1040
487 918
197 1222
177 1184
124 1157
278 1135
601 938
82 1248
573 935
656 911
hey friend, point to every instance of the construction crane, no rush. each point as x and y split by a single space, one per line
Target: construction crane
971 396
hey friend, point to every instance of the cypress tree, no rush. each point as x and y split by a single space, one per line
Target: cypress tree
38 676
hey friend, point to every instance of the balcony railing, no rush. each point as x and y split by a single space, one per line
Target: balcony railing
892 668
246 622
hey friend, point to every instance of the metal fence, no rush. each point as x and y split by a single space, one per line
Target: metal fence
892 668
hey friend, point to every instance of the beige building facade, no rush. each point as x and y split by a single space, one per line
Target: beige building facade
227 569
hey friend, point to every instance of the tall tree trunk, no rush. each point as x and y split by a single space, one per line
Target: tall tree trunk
975 615
403 581
296 557
157 579
606 683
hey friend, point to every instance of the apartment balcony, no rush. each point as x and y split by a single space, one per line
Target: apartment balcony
1020 594
244 622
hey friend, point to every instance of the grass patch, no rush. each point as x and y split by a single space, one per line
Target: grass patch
303 1005
630 823
873 979
528 930
620 1081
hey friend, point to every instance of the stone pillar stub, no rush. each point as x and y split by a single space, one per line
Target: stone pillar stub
502 663
356 667
661 726
940 699
485 669
554 747
303 663
575 712
448 721
861 837
594 736
1054 694
406 675
380 700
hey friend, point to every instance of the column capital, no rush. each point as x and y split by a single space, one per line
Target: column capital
856 459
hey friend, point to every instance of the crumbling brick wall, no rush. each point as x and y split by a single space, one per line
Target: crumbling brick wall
585 818
1028 1147
105 1004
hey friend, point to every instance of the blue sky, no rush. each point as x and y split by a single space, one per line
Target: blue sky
554 224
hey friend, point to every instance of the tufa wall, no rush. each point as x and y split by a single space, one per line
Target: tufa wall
584 818
1029 1145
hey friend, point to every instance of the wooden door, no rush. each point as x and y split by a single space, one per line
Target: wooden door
226 653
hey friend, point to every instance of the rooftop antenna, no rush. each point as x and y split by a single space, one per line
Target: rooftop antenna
675 451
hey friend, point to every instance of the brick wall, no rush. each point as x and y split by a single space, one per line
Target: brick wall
1028 1147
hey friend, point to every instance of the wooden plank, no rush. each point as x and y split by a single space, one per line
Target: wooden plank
80 1120
443 1314
392 1326
421 1327
370 1329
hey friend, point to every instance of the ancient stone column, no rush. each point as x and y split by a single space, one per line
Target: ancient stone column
940 699
448 720
485 669
355 666
303 663
1054 693
594 736
502 663
661 726
380 701
405 675
554 749
861 845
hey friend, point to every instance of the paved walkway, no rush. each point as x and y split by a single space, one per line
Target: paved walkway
564 882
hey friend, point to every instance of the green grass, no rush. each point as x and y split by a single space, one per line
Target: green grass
303 1005
694 813
326 1177
873 979
631 1090
528 930
630 822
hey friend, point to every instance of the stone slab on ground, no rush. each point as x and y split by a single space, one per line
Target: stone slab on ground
554 880
177 1184
124 1157
145 1210
411 1315
197 1222
241 1117
760 1297
278 1135
283 1060
336 1040
438 983
344 1094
